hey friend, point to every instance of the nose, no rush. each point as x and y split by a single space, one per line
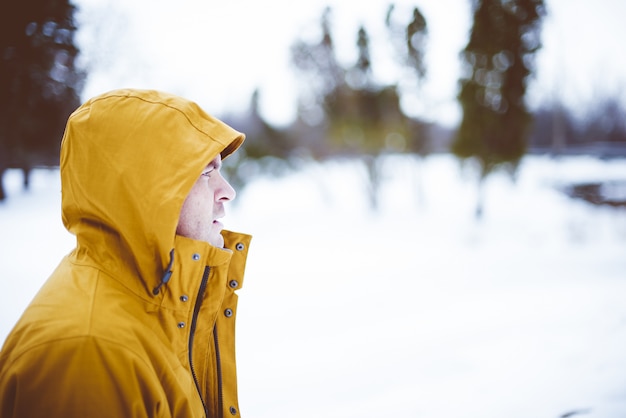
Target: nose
225 191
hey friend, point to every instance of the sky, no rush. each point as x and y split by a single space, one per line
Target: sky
416 310
218 53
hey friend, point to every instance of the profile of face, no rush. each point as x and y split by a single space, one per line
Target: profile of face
205 205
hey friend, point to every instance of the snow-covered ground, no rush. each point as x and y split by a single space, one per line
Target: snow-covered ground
415 310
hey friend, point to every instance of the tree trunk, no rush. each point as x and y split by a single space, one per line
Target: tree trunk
419 181
26 177
373 180
3 194
480 195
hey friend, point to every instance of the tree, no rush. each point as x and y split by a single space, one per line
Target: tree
39 82
360 118
498 60
322 76
365 117
409 41
410 45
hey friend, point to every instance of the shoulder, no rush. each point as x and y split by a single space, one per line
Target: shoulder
80 374
83 355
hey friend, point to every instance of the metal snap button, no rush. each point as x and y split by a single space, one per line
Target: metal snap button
233 410
233 283
228 312
240 246
196 257
184 298
181 325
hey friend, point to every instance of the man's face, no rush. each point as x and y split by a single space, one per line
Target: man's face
205 205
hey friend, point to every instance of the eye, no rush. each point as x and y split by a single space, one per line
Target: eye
207 173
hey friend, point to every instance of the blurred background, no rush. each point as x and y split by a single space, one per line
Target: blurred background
436 189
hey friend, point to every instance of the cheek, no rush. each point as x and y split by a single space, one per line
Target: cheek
197 209
194 221
188 209
184 220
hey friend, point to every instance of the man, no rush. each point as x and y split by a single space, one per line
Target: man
138 320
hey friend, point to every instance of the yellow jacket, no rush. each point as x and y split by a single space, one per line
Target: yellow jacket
136 321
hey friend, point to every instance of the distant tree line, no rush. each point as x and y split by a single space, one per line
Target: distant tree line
343 110
345 113
601 131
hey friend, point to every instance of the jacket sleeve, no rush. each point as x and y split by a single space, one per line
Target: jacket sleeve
81 377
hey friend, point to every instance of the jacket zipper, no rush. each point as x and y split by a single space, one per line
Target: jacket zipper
196 311
220 393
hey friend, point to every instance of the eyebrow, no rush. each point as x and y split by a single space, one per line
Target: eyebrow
215 164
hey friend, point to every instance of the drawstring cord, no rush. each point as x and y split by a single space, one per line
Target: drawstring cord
166 276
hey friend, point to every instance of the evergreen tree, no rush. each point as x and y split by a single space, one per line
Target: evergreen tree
321 73
359 117
409 41
498 61
39 82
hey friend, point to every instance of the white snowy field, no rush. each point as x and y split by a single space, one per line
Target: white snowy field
415 310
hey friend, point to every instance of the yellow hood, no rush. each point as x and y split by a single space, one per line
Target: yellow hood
128 160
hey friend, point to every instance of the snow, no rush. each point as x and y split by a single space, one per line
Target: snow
413 310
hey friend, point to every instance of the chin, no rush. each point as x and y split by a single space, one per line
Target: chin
217 241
